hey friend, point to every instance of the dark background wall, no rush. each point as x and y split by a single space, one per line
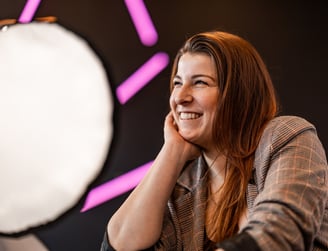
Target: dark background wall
290 35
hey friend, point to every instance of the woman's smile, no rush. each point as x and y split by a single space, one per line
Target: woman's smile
188 115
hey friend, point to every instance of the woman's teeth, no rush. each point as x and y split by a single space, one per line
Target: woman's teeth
189 115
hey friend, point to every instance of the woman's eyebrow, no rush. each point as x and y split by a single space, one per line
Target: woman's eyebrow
197 76
177 76
204 75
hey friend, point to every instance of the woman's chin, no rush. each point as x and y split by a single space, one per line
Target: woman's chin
195 140
189 137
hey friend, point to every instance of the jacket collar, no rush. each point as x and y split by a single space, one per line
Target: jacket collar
192 173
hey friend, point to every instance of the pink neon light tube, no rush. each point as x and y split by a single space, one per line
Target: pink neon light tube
142 21
29 10
115 187
142 76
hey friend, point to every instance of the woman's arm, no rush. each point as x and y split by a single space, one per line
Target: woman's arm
138 222
292 181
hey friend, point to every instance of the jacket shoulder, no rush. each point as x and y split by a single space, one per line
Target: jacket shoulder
282 129
277 133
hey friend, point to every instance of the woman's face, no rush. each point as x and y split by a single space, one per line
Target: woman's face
194 98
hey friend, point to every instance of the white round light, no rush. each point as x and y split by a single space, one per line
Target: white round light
55 122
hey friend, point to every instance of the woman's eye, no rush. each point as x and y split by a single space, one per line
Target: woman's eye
176 83
200 83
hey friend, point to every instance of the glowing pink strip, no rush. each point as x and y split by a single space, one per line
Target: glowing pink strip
142 21
29 11
115 187
142 76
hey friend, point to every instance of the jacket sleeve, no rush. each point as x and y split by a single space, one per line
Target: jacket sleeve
290 206
105 246
291 176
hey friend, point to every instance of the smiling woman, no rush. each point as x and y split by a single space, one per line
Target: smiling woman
231 175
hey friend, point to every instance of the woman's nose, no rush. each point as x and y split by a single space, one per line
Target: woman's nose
183 94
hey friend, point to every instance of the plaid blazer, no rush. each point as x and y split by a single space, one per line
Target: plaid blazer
287 197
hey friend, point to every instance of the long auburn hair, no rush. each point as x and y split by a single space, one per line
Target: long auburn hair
247 101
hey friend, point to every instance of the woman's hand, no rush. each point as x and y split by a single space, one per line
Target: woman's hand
141 215
173 138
